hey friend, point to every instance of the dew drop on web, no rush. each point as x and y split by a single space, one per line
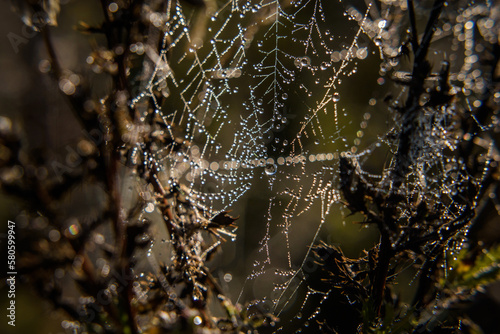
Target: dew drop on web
271 169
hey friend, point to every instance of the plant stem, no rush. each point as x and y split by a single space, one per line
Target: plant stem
381 271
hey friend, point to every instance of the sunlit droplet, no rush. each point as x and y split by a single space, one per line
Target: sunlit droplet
113 7
73 229
197 320
150 207
271 169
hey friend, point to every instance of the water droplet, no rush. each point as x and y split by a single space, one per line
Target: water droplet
150 207
336 97
362 53
382 24
271 169
284 96
324 65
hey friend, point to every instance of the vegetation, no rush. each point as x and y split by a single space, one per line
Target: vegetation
122 234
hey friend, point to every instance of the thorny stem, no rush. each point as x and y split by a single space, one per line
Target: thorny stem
54 62
111 160
113 29
413 25
410 111
122 241
421 69
384 257
113 177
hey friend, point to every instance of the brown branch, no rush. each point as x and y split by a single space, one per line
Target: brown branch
413 25
385 255
411 109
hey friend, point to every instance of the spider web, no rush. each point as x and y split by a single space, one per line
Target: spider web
255 89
